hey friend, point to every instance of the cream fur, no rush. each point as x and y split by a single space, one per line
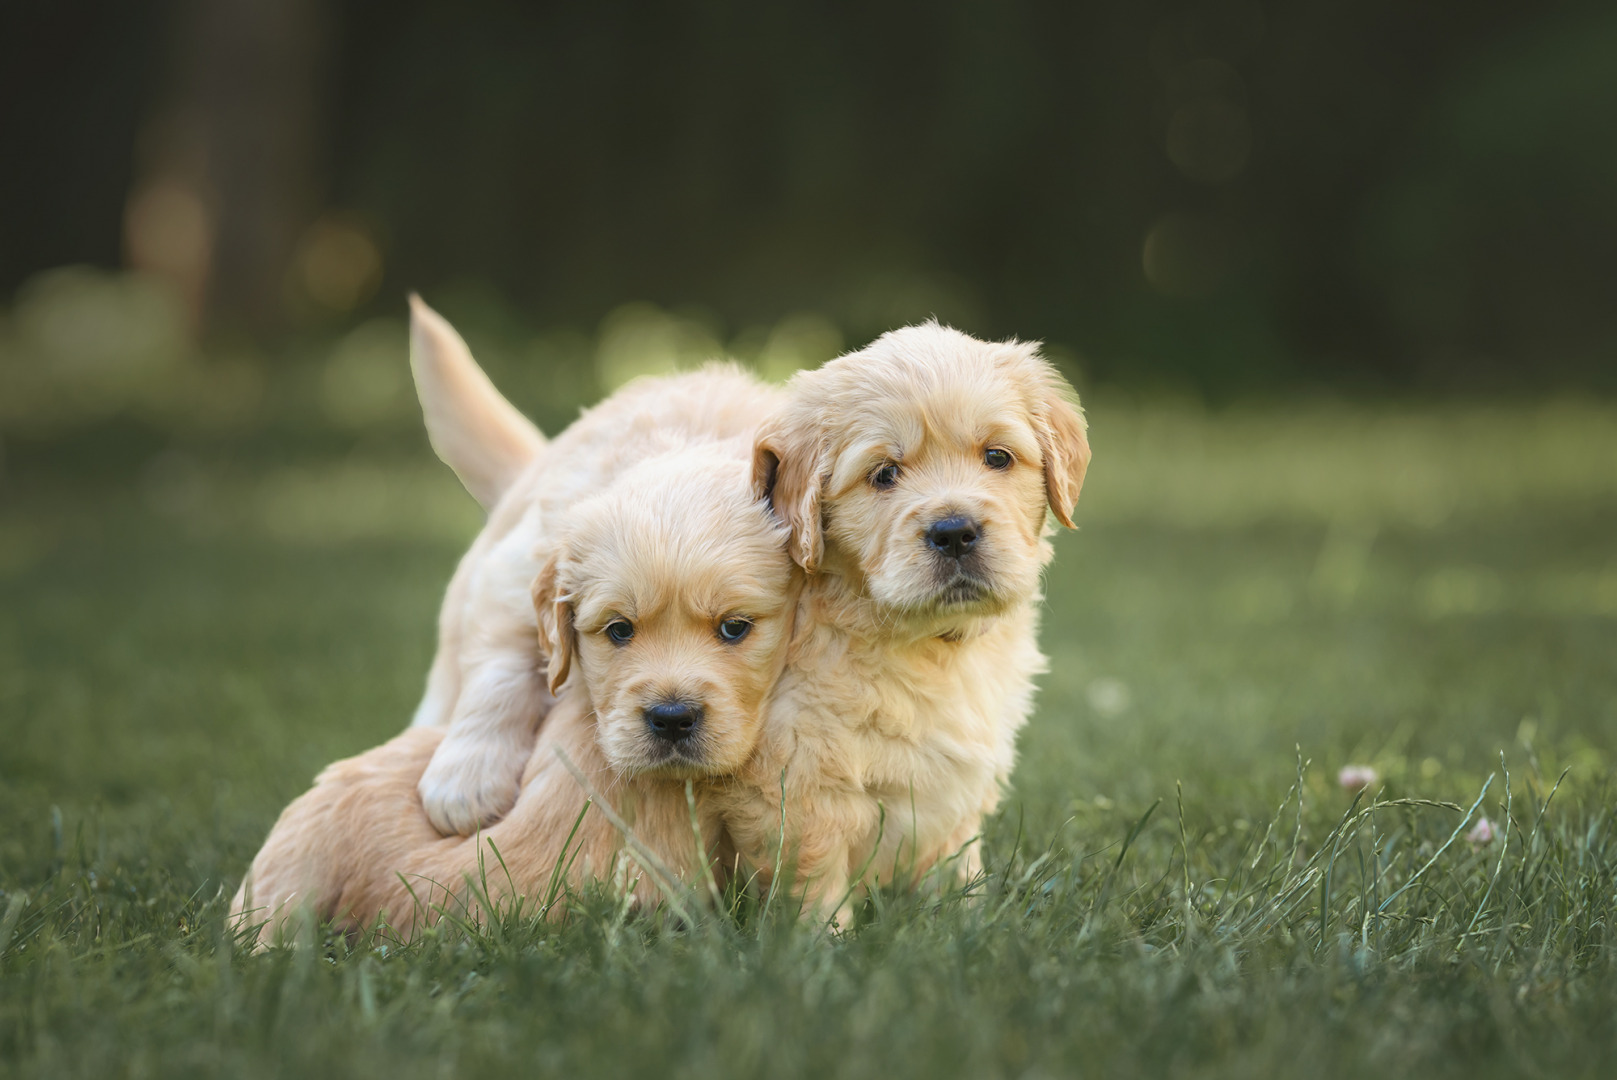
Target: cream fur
486 684
906 679
910 674
676 544
472 427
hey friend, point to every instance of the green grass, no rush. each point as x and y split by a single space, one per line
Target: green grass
185 641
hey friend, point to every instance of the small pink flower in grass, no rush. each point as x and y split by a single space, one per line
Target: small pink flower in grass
1481 833
1357 777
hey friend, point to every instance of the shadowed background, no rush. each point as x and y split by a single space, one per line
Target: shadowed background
1295 256
1335 281
1221 197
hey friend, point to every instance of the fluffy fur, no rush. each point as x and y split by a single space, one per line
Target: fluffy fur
473 428
892 732
487 685
675 547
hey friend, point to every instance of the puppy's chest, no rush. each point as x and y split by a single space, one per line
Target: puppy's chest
892 733
941 750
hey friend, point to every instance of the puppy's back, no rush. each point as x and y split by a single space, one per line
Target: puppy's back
648 417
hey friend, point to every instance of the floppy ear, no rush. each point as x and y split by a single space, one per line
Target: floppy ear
475 431
1064 442
787 459
555 622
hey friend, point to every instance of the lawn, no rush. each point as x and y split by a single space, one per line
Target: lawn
1178 884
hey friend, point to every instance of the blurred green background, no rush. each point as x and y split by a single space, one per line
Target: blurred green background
1333 277
1336 281
1222 199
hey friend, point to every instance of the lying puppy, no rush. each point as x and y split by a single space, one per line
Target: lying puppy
665 607
487 685
915 476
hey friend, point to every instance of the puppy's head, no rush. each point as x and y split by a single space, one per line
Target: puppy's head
923 466
670 594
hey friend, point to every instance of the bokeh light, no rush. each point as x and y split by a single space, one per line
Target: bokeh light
82 344
338 263
643 339
366 382
1192 255
168 233
1209 140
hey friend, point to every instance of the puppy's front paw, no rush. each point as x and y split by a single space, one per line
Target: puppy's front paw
469 784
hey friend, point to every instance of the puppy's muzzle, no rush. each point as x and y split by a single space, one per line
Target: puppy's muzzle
673 721
954 536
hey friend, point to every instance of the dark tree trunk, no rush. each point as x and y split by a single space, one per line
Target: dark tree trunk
229 177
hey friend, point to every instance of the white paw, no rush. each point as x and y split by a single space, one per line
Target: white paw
469 785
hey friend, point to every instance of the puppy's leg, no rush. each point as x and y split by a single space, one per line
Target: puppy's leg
437 706
438 703
830 898
963 849
824 857
475 774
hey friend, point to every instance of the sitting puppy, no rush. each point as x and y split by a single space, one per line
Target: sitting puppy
487 685
915 476
664 607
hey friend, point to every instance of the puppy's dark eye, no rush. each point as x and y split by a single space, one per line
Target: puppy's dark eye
997 458
884 477
620 631
733 630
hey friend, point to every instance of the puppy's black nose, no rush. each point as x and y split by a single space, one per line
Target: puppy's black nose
673 720
953 536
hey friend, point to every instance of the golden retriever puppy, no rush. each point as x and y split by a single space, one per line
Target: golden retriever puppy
664 607
915 476
487 684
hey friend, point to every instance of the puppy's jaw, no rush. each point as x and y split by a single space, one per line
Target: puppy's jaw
949 604
960 588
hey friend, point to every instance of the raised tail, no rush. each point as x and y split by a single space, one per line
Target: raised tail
472 427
